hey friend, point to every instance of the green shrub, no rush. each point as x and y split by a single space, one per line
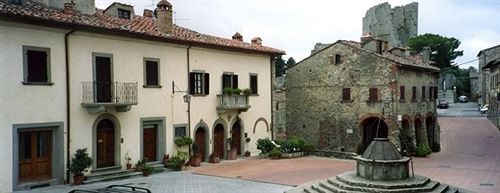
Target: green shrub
247 91
183 141
291 145
227 90
80 162
308 148
182 154
423 150
265 145
148 169
275 153
175 163
237 91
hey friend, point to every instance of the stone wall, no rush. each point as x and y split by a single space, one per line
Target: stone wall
395 25
314 105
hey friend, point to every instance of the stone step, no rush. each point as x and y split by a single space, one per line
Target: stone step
350 178
112 168
319 189
335 186
157 165
442 188
106 173
130 174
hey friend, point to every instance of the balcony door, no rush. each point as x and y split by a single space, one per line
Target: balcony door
103 82
105 143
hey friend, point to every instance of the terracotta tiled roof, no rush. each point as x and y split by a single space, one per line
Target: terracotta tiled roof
144 26
410 61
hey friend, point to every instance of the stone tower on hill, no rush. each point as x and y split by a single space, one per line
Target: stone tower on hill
395 25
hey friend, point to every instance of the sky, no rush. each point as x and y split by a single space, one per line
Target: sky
296 25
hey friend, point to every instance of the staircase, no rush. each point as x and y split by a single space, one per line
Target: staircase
110 173
348 182
446 95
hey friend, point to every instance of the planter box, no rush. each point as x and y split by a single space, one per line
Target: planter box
292 155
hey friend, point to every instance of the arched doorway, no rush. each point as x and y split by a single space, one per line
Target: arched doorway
418 131
429 125
199 139
105 143
373 127
219 140
236 137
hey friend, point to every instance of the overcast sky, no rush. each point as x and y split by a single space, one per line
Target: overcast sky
296 25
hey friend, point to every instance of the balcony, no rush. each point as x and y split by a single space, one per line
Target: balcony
232 102
96 96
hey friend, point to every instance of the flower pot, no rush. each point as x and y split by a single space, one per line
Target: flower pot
145 174
195 161
231 154
78 180
129 166
214 159
247 154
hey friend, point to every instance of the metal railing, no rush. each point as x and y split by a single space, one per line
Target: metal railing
96 92
233 101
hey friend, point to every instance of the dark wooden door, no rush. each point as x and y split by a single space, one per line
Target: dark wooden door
150 142
105 144
35 155
219 140
200 141
103 81
236 137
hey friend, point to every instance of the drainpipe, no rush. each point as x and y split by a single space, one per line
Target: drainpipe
68 119
189 103
271 61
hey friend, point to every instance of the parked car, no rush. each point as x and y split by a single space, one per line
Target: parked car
484 109
442 105
462 99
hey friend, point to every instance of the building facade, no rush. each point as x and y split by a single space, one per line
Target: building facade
489 63
348 93
117 84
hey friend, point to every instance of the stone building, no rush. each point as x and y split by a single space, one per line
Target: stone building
486 57
475 83
343 96
395 25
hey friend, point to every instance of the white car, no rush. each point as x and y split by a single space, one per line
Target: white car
484 109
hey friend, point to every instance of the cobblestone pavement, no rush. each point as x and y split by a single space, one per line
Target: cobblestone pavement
179 182
461 110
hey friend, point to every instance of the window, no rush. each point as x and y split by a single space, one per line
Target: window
414 94
180 131
373 95
36 65
338 59
199 83
435 92
346 94
402 93
123 14
229 80
423 93
253 84
431 95
379 47
151 73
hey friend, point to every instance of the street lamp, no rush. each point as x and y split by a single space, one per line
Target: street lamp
187 98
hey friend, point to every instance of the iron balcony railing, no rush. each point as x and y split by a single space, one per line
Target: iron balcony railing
112 93
238 102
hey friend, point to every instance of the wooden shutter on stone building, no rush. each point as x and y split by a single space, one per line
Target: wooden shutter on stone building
373 95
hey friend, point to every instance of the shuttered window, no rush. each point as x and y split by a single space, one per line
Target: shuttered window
199 83
423 93
435 92
152 76
36 64
229 81
373 95
253 84
402 93
431 95
346 94
414 93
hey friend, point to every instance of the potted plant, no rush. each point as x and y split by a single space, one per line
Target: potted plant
237 91
79 164
214 158
275 153
195 159
147 169
183 141
175 163
127 160
231 153
227 91
265 146
247 92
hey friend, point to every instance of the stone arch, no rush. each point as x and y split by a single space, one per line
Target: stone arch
218 137
406 125
420 133
406 139
117 136
259 120
372 127
430 126
238 125
205 143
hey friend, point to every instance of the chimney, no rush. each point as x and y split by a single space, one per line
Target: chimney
69 8
164 17
148 13
257 41
238 36
426 54
367 37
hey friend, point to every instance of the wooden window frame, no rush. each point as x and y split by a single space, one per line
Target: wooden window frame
402 96
233 80
26 64
423 93
346 95
414 94
158 84
255 91
124 14
199 83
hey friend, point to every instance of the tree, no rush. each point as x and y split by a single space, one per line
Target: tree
279 66
290 62
443 49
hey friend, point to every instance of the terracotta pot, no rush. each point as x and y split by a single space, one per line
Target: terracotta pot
78 180
129 166
195 161
247 154
145 174
231 154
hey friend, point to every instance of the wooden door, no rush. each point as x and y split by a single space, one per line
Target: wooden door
200 141
103 80
236 137
35 155
105 144
150 142
219 140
